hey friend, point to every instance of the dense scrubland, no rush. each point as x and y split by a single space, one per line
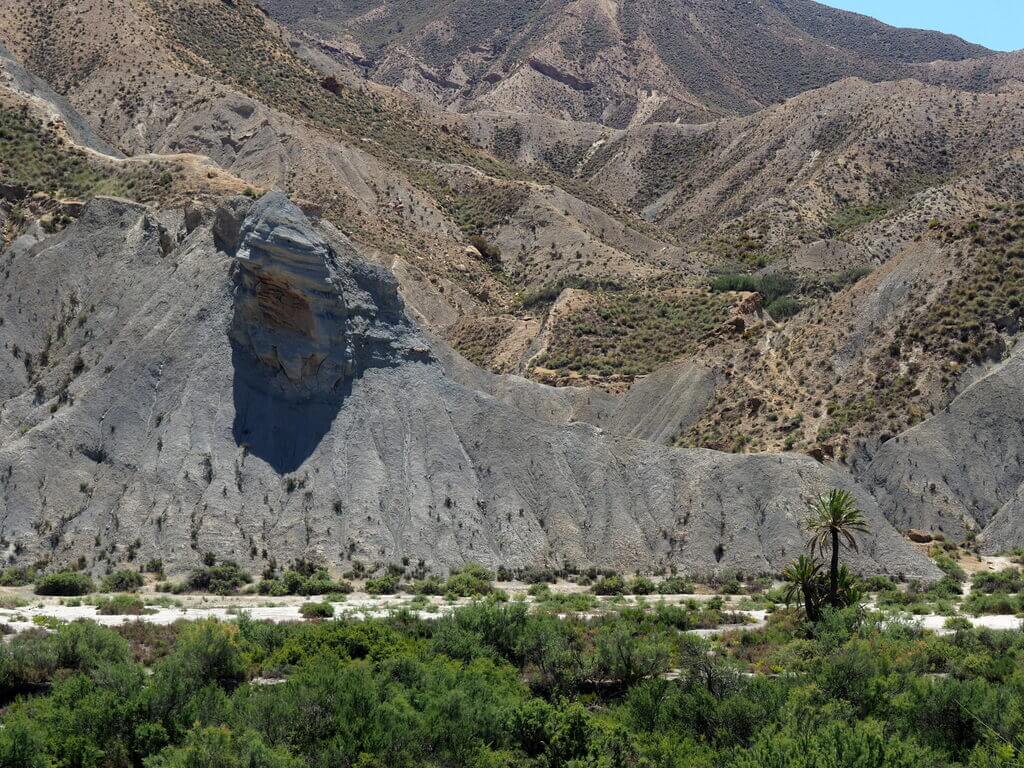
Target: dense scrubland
494 684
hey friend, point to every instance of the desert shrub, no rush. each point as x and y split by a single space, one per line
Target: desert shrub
431 585
771 287
849 277
854 216
16 576
784 308
609 585
471 580
121 605
625 655
862 745
1007 581
297 583
951 568
675 585
121 581
538 576
317 610
566 602
223 579
488 250
997 603
65 583
630 333
877 583
546 294
382 585
539 591
219 747
641 585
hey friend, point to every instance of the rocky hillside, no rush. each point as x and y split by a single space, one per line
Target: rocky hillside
225 81
235 380
506 325
615 63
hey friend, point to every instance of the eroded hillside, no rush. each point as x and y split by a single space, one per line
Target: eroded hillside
744 262
616 63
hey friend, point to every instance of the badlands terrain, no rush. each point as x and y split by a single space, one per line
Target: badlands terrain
532 285
508 384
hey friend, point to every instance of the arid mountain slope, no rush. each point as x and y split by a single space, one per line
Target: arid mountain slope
224 80
815 276
789 172
610 61
256 390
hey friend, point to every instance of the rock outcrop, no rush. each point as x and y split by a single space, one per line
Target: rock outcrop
258 392
315 321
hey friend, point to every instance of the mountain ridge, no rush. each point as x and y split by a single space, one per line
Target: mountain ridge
615 63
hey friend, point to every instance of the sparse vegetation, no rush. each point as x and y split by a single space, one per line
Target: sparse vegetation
34 158
631 333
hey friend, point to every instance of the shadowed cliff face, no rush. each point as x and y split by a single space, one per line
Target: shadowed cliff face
282 432
307 323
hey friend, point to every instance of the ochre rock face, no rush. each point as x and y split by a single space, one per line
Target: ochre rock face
282 308
315 320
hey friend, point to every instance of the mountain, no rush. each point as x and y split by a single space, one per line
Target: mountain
248 386
615 62
326 314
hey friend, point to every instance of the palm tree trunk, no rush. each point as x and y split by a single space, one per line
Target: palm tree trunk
833 574
810 604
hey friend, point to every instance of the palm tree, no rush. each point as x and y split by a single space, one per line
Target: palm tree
803 579
834 520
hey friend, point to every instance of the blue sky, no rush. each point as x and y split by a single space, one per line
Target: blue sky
997 24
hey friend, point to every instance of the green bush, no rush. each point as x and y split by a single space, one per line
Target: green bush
65 583
1007 581
500 685
951 568
382 585
539 591
675 585
472 580
121 581
317 610
641 585
16 576
431 585
121 605
771 287
297 583
224 579
784 308
609 585
998 603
